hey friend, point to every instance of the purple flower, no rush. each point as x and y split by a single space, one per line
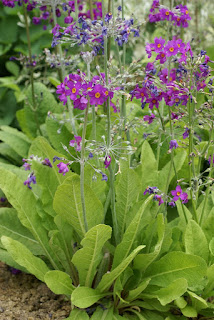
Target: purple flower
150 190
80 103
27 166
63 168
97 95
30 179
46 162
104 177
107 161
171 48
209 160
178 193
76 143
159 199
2 199
186 133
150 119
171 204
173 144
159 44
56 158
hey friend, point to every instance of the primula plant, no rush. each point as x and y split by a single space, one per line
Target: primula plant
113 205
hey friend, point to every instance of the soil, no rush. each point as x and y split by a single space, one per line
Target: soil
23 297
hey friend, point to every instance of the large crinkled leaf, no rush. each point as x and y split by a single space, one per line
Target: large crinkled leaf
109 278
127 191
25 258
67 203
84 297
16 140
24 201
130 235
7 152
97 185
10 226
195 241
175 265
88 258
143 260
59 282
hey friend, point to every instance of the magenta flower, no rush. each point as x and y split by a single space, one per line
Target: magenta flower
162 57
186 133
178 193
148 118
165 14
30 179
153 101
76 143
159 44
80 103
27 166
171 48
97 95
74 89
63 168
159 199
107 161
201 85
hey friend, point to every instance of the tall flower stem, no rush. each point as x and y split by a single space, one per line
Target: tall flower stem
34 104
111 172
62 66
91 9
76 10
82 160
190 156
208 187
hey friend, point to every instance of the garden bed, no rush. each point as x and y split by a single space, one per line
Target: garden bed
23 297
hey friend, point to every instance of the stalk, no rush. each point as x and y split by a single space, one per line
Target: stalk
191 161
82 160
76 10
208 188
91 9
62 67
34 107
114 217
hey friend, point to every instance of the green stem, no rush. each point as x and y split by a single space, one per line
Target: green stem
34 108
208 188
76 10
114 217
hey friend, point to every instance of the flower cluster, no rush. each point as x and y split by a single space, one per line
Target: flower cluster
92 32
179 15
11 3
82 92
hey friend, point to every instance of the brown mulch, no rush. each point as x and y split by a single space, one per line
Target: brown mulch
23 297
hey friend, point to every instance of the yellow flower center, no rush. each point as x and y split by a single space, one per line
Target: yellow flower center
178 18
162 55
106 92
154 101
159 45
74 90
178 193
176 100
142 94
89 88
97 95
171 49
179 45
167 13
187 11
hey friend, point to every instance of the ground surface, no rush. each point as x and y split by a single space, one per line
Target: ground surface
23 297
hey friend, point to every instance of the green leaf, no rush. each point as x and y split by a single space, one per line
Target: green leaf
101 314
7 107
10 226
173 291
211 246
97 185
7 152
24 201
16 140
175 265
59 282
195 240
189 311
25 258
78 315
130 235
6 258
45 102
109 278
142 261
67 203
198 303
13 68
127 192
148 166
180 302
88 258
83 297
133 294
